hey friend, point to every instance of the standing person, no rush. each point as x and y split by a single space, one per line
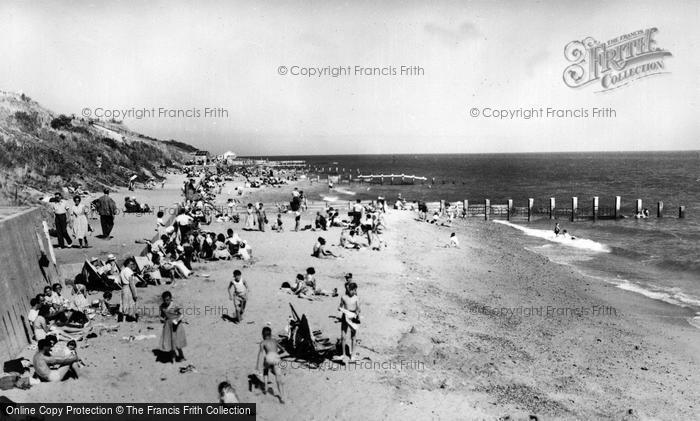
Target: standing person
107 208
350 318
262 217
280 225
239 295
557 229
173 337
304 202
183 222
357 212
127 280
78 214
270 357
297 220
250 218
60 210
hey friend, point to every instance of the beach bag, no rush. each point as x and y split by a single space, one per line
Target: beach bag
13 366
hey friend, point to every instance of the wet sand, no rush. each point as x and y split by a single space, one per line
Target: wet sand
446 333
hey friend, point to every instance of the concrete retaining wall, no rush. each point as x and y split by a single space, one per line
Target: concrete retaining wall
22 276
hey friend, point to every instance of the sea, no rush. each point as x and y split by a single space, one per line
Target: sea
656 257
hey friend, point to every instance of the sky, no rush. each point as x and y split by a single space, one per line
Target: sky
192 55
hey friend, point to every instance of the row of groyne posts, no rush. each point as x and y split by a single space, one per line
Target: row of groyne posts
575 212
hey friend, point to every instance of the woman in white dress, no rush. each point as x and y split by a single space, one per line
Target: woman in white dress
251 217
78 215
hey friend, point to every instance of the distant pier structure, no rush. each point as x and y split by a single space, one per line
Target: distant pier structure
287 164
348 175
391 178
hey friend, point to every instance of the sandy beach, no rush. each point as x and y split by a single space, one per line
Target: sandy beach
486 331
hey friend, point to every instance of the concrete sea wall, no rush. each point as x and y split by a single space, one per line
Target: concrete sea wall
26 267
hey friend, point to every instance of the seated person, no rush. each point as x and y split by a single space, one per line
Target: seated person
320 251
79 301
105 307
174 262
335 220
310 284
320 222
244 251
232 241
35 304
40 324
208 246
349 239
221 248
152 271
299 287
454 241
109 270
159 246
62 366
56 299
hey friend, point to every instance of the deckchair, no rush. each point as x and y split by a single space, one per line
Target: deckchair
94 281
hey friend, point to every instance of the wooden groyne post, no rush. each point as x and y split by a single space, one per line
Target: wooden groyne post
487 209
574 208
530 204
595 208
552 205
681 212
465 208
510 208
618 203
660 209
638 207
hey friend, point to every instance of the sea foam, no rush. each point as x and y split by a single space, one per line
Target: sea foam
344 191
579 243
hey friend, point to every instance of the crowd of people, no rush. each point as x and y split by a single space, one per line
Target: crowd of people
187 239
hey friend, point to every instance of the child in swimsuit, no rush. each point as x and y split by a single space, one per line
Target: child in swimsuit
239 295
350 317
269 347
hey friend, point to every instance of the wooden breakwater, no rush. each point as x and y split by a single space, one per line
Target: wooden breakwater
572 211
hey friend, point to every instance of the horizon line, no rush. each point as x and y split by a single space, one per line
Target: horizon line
476 153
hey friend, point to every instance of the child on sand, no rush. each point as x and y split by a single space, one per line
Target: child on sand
72 351
239 296
454 241
280 228
269 347
350 318
227 394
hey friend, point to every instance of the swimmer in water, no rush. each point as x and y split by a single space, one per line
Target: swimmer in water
567 235
269 347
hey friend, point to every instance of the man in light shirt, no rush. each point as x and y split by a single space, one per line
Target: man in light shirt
60 210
